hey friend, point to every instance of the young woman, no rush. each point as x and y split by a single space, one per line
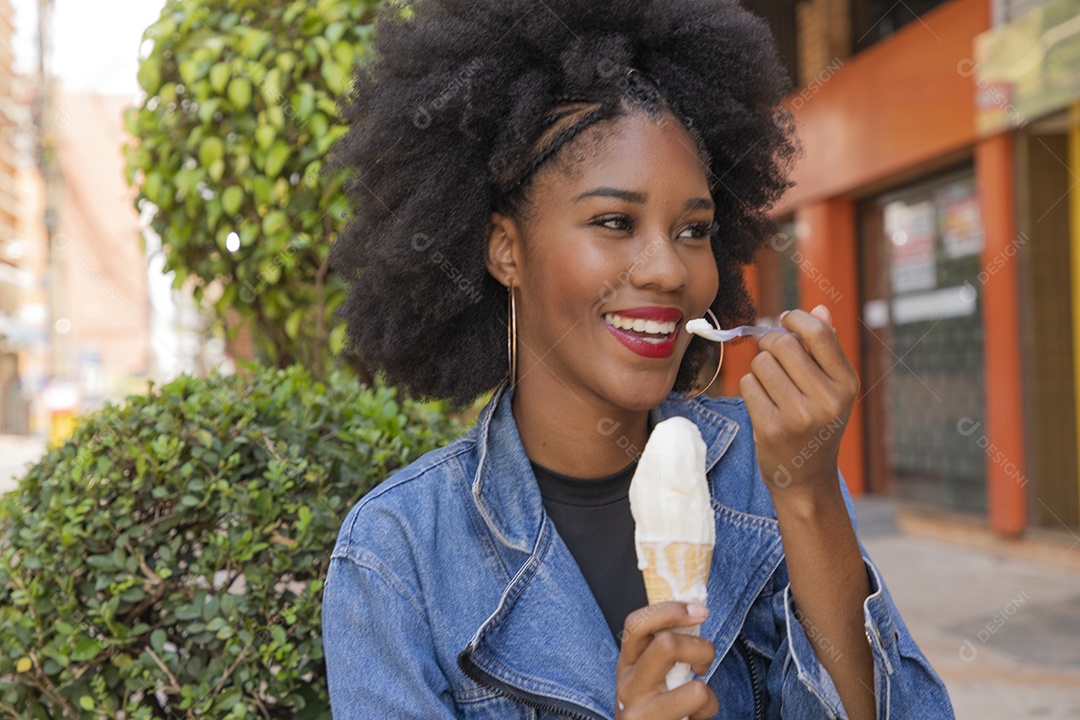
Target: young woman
546 191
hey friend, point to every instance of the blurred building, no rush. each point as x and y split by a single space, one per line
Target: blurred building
79 323
97 249
12 405
937 214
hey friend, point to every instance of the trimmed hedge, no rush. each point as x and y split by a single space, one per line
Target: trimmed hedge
167 560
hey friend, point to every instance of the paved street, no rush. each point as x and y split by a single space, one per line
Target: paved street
1003 633
16 452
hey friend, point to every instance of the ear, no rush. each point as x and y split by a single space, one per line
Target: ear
504 249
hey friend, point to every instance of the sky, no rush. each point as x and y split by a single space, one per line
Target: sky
95 44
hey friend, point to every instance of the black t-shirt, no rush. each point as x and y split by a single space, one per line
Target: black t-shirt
592 516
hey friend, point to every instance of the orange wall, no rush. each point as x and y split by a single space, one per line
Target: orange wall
896 105
826 239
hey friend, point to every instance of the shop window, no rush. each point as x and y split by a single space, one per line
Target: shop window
923 343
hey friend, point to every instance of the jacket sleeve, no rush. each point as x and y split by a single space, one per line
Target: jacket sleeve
380 660
905 684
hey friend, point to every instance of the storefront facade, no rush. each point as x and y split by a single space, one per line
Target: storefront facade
941 245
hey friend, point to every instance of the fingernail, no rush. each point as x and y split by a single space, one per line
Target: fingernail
783 314
696 610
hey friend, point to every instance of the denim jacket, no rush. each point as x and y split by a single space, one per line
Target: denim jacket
450 594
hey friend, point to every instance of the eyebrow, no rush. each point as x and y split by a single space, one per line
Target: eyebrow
700 203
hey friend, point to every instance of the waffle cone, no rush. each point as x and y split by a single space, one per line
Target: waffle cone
675 570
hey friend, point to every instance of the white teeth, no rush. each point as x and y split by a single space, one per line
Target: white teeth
641 325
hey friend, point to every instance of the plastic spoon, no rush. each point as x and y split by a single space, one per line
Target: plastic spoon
702 327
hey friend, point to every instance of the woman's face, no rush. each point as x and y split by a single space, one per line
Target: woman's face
611 262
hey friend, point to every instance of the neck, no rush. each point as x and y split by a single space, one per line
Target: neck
573 432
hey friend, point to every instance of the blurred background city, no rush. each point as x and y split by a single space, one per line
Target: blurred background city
936 212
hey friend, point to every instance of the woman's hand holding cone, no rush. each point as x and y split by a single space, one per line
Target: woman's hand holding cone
650 649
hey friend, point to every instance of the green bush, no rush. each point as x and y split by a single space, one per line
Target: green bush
167 561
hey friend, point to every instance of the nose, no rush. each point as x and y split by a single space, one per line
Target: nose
660 266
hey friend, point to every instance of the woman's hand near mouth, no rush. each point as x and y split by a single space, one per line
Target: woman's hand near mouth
799 401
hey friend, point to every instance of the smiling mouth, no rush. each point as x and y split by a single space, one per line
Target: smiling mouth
650 331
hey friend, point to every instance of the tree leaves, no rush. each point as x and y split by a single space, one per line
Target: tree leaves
240 110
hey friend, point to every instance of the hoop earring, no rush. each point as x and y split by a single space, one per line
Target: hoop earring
718 364
511 337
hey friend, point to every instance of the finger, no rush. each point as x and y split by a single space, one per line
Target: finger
643 623
822 312
798 364
694 699
775 381
821 340
757 400
666 649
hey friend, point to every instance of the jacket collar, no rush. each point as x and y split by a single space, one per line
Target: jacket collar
513 509
513 645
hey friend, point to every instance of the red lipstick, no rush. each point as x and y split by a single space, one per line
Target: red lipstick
650 348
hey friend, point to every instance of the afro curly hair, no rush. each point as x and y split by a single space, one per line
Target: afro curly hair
463 101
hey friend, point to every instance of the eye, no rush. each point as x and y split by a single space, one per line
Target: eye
700 230
615 222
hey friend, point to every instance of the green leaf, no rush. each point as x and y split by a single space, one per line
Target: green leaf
157 640
219 76
232 198
211 149
240 93
216 170
152 187
275 159
189 71
264 135
253 41
86 702
149 75
229 698
275 221
208 108
286 61
337 339
85 649
319 124
336 76
292 325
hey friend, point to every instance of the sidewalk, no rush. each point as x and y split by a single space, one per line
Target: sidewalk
1003 633
17 452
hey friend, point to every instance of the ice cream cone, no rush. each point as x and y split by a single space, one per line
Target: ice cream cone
675 529
675 570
